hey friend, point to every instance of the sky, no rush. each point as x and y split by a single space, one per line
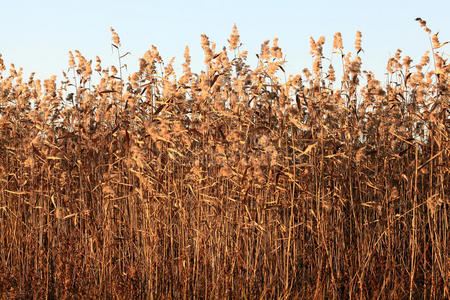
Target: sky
37 35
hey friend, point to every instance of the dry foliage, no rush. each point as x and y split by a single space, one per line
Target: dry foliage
231 183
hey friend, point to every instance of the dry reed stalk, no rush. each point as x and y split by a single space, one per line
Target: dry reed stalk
231 183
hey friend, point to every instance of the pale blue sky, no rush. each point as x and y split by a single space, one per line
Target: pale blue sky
37 35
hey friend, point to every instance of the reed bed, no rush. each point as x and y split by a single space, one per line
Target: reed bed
235 182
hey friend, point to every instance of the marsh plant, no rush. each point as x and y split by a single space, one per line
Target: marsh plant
235 182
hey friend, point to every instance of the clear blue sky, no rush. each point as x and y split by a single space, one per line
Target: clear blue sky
37 35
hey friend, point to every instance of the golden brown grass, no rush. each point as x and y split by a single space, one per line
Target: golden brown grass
231 183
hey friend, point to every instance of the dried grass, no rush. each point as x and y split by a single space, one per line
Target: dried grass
231 183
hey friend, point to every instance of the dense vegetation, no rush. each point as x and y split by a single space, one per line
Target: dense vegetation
235 182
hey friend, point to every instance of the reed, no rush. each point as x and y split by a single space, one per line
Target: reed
236 182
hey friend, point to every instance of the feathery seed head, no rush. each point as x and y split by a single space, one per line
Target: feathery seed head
234 38
115 38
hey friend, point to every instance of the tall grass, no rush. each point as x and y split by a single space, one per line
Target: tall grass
231 183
